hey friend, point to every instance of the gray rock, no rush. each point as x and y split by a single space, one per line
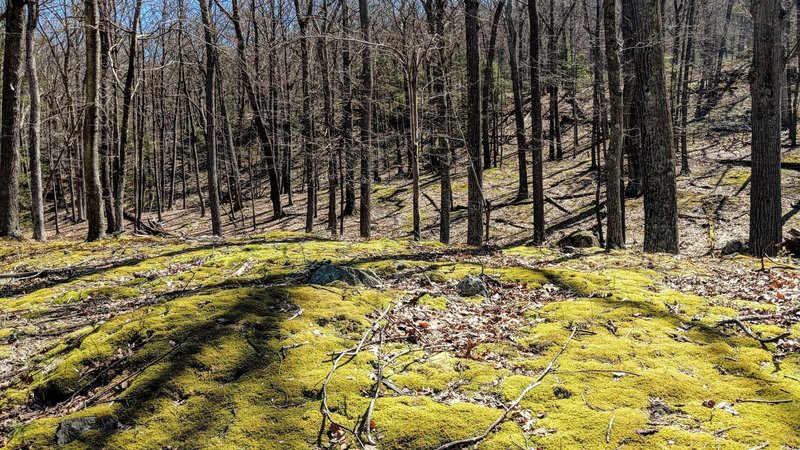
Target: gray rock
733 247
328 273
579 239
472 285
71 429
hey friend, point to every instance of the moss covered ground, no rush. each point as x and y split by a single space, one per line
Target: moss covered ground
224 344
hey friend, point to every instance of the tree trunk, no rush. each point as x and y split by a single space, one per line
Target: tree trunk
346 157
106 114
37 202
435 11
413 121
127 96
9 144
631 138
660 196
210 112
488 80
765 90
519 117
614 232
688 63
475 169
536 126
308 132
91 157
365 212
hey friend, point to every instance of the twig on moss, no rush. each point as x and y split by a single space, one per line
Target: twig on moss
366 424
589 405
751 334
760 317
763 400
608 430
476 439
760 447
623 372
722 430
286 348
337 362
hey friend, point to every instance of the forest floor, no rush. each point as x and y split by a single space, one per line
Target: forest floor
144 343
189 341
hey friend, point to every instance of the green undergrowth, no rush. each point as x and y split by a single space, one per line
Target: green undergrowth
225 346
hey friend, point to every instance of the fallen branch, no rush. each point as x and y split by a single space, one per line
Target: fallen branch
760 317
433 203
601 371
144 227
323 393
751 334
761 400
366 425
67 270
744 163
476 439
557 205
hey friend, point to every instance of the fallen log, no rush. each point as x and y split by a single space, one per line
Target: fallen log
745 163
145 227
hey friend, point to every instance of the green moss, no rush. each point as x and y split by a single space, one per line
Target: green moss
734 177
436 303
218 361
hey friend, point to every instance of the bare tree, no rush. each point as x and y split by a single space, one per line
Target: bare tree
210 117
615 235
365 213
536 127
519 116
475 169
765 89
91 156
488 83
9 148
37 202
127 97
660 191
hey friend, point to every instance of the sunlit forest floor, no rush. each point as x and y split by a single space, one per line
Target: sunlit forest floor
188 341
159 343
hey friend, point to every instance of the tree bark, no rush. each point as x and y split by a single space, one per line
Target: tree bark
127 95
34 154
91 157
687 64
365 212
488 81
435 12
475 169
614 232
519 117
211 120
660 191
536 126
765 91
346 157
308 133
9 144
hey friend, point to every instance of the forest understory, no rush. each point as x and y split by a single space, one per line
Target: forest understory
192 341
